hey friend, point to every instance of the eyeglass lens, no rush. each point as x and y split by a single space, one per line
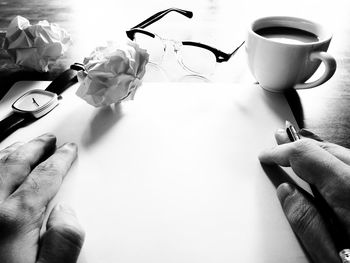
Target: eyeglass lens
194 59
197 59
154 46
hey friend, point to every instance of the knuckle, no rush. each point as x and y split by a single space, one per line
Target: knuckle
15 157
11 147
301 216
17 163
17 170
4 154
326 146
25 204
48 168
301 148
8 220
15 216
33 184
43 176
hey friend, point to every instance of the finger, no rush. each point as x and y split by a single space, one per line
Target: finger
278 154
42 184
308 224
9 149
21 159
63 239
338 151
281 136
310 162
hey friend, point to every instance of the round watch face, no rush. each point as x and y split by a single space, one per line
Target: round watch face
36 103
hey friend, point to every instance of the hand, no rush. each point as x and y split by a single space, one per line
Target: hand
30 176
327 167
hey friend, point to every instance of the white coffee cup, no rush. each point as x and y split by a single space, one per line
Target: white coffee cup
279 64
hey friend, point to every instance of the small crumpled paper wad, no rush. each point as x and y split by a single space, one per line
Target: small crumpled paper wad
112 74
34 46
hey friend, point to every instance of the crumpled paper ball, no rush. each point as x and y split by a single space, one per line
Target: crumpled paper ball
33 46
112 74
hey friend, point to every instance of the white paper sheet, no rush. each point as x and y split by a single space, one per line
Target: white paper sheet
173 176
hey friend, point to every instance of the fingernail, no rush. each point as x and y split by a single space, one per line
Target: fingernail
281 131
306 132
285 190
64 208
264 154
45 138
261 155
49 135
310 134
71 145
59 207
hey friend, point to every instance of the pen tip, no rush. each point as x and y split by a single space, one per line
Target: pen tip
287 123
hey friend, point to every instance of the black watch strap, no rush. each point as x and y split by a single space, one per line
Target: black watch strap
16 120
13 122
65 79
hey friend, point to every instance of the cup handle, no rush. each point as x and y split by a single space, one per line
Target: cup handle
330 67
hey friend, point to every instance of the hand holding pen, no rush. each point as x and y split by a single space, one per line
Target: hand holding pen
321 221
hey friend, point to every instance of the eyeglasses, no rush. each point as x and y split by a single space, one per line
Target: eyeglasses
195 57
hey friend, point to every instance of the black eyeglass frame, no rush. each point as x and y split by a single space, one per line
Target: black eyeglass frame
139 28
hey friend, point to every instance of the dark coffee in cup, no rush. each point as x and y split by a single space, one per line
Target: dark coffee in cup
284 52
287 35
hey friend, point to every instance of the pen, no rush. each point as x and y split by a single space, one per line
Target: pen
337 232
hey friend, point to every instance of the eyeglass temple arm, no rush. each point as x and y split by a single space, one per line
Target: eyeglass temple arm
236 49
160 14
223 57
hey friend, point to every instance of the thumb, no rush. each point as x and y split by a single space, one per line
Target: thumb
307 224
63 239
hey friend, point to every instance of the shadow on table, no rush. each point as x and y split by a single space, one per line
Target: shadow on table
296 106
277 175
104 119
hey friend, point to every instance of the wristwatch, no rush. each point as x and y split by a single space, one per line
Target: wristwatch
36 103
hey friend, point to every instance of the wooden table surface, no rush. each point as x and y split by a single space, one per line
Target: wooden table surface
324 110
